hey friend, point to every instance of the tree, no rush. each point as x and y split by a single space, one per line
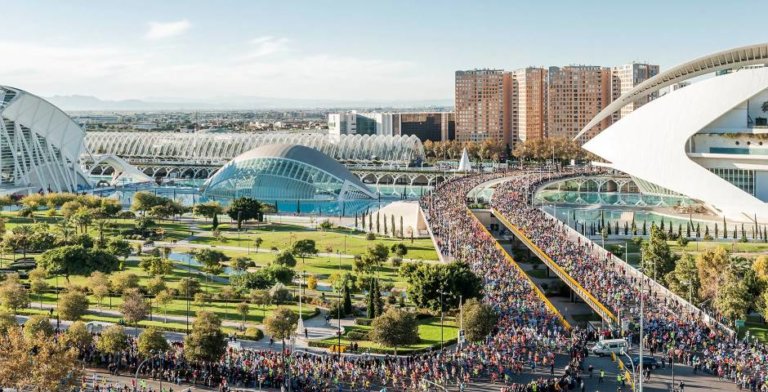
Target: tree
119 247
77 335
280 273
77 260
37 283
684 279
163 299
156 265
425 281
39 364
242 310
124 280
347 300
206 342
304 248
760 266
257 243
188 287
479 320
732 299
113 339
658 259
241 263
36 325
208 210
279 293
156 285
394 328
133 308
312 282
100 286
150 341
215 223
260 297
244 209
72 305
399 249
7 321
281 323
211 260
260 279
710 265
13 295
285 258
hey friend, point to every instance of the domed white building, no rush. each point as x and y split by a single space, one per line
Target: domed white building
40 146
286 172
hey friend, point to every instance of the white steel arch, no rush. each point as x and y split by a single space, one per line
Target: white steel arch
220 148
40 145
727 59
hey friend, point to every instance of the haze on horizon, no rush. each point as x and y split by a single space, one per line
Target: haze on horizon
343 51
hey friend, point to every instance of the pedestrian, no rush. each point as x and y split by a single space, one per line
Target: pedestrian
552 368
582 386
591 369
602 376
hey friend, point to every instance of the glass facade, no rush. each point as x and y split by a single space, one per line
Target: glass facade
743 179
301 174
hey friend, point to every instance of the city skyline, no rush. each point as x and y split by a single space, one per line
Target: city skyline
182 51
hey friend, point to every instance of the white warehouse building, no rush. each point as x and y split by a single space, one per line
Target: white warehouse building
708 141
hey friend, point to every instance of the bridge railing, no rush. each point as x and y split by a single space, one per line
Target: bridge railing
577 288
637 274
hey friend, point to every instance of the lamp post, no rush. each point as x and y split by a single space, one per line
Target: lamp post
300 323
338 308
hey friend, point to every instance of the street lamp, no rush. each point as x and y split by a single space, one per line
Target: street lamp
632 364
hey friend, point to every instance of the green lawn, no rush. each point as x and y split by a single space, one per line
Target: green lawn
732 246
282 236
429 332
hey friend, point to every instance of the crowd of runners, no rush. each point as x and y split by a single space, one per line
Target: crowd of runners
671 329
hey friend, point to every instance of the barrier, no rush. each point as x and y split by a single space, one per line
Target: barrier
637 274
590 299
512 261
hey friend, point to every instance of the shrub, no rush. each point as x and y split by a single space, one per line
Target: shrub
363 321
253 333
396 261
335 309
326 225
357 335
370 236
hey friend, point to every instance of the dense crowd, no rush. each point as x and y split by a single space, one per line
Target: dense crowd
528 335
671 329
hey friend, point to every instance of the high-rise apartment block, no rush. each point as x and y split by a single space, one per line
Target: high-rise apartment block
483 104
529 103
575 94
626 77
534 103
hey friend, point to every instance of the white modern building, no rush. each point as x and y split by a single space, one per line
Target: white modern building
707 141
354 123
40 146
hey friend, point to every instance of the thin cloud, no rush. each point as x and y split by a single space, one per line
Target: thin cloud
267 45
161 30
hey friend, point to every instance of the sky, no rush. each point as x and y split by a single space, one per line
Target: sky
341 50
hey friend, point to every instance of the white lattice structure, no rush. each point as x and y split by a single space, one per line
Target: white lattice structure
217 149
40 145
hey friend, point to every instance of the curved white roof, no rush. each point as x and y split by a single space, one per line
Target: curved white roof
302 154
49 165
727 59
219 148
651 143
286 171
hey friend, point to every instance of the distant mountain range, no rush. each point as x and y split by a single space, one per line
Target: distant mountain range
91 103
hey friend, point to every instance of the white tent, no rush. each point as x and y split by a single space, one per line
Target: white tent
464 164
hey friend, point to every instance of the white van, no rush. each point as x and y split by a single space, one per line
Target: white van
608 346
